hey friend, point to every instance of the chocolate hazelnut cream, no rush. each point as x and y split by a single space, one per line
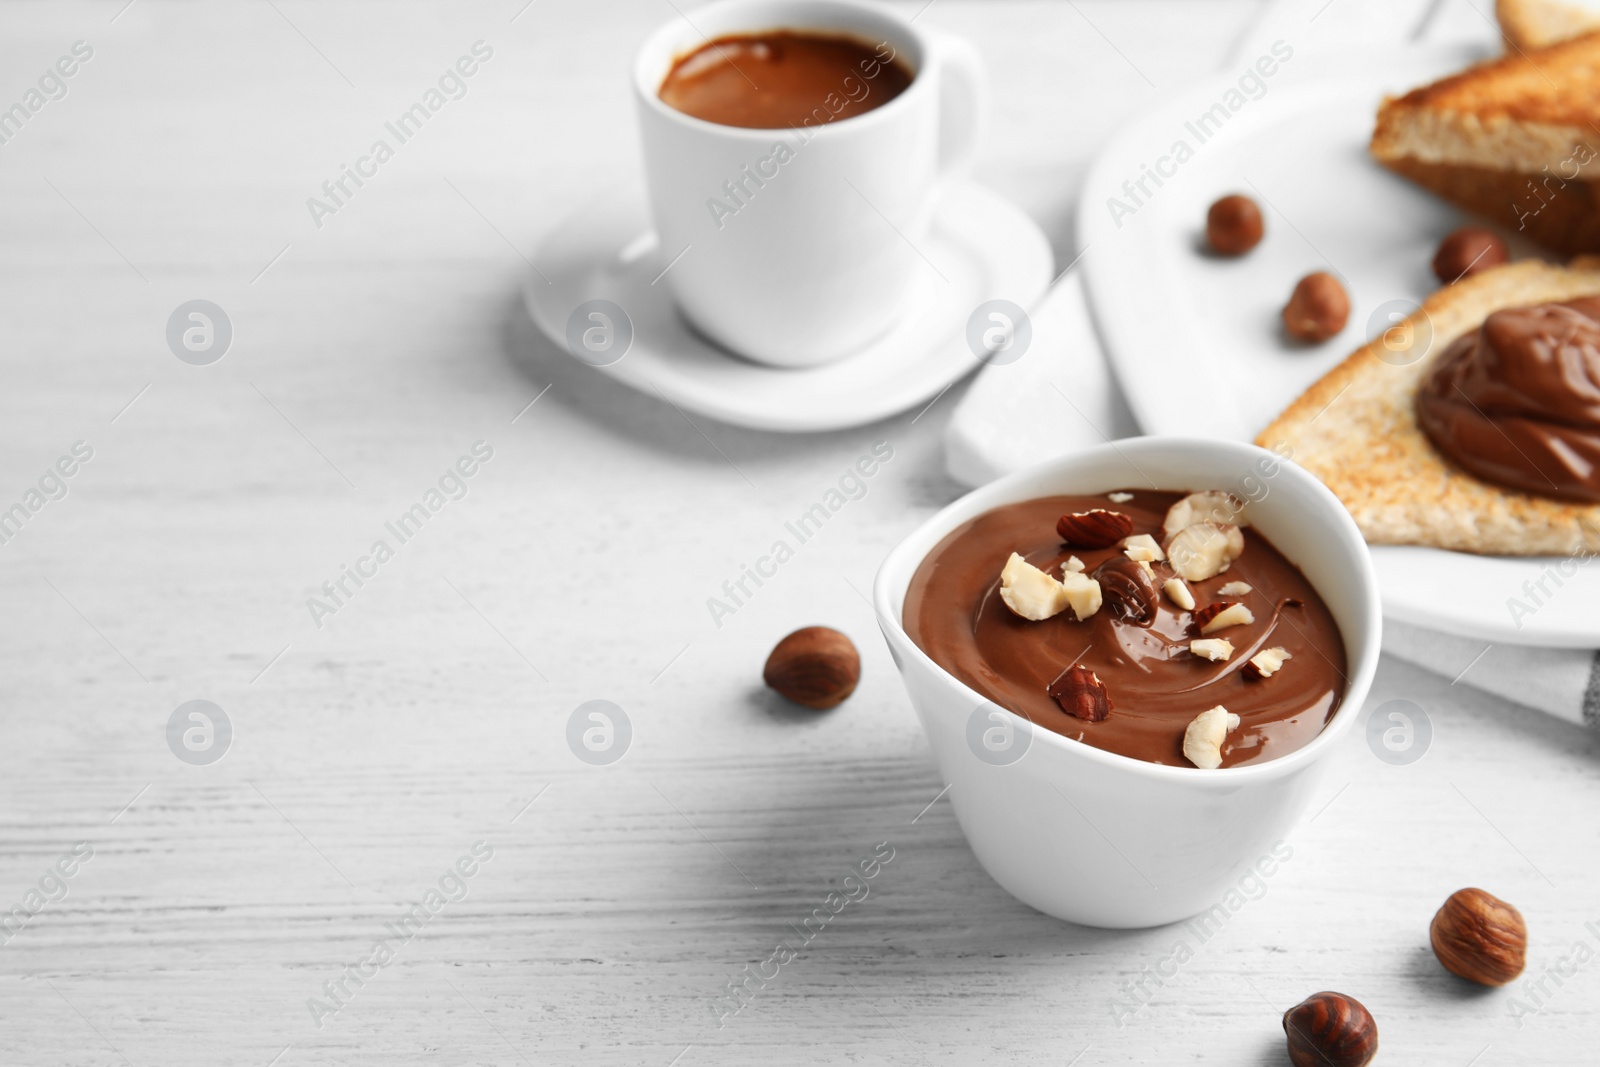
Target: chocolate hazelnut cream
1517 401
1138 643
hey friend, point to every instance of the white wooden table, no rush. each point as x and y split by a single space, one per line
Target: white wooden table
430 711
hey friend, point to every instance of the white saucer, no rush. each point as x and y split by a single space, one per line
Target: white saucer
1212 363
984 246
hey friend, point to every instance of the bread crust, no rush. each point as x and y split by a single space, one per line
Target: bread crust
1529 24
1356 430
1516 139
1558 85
1560 214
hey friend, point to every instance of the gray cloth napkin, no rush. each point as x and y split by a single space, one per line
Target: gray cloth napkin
1561 681
1060 397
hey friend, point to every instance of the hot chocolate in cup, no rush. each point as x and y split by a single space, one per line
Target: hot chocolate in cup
797 243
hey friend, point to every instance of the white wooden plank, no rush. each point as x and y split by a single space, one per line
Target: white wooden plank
379 748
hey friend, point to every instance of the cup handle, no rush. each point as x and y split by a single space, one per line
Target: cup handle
963 103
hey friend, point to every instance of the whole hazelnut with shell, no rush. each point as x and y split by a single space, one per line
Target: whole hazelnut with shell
1317 309
1330 1030
1467 251
815 666
1480 937
1234 225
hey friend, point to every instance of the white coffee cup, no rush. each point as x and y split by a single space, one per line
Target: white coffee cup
815 246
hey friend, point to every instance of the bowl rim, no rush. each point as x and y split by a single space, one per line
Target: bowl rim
1364 646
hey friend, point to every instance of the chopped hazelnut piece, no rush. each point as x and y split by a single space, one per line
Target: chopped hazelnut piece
1029 591
1179 593
1142 548
1073 563
1232 615
1215 649
1081 694
1267 662
1082 592
1212 506
1119 498
1202 741
1205 549
1236 589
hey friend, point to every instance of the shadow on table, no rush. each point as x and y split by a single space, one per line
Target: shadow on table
1423 967
938 902
592 395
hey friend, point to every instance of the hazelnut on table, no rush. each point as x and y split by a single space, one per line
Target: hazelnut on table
1330 1030
1480 937
815 666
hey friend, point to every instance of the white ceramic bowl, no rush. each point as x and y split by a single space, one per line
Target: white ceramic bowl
1101 839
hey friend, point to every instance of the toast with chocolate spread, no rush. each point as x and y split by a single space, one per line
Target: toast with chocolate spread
1357 428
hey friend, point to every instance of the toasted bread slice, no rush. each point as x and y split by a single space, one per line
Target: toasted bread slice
1530 24
1357 431
1516 139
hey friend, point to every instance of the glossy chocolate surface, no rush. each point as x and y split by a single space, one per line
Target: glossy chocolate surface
953 611
1517 401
